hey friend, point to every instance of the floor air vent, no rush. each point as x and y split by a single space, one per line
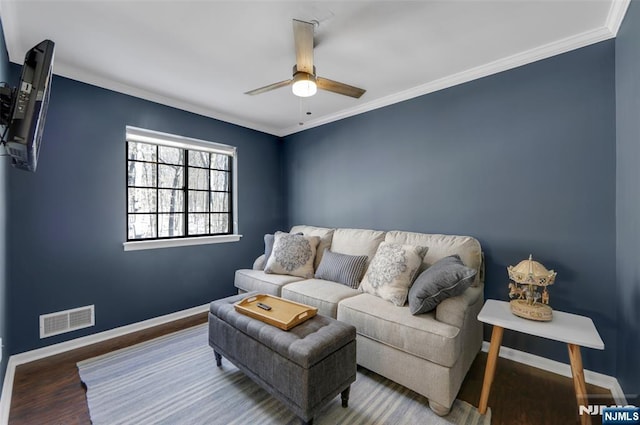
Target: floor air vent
66 321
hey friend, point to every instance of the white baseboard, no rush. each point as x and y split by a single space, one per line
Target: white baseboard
51 350
563 369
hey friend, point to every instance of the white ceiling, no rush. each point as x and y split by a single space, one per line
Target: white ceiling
201 56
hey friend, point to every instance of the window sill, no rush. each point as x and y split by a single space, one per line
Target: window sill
170 243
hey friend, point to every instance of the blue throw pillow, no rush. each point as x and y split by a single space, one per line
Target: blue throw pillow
448 277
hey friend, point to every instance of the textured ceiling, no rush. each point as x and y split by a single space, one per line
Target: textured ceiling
202 56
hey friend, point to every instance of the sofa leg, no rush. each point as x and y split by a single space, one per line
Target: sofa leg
439 409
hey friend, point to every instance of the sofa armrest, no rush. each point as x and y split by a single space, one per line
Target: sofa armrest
452 310
259 263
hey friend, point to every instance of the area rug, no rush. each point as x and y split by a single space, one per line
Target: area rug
174 380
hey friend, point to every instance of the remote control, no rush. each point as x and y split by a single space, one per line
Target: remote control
264 306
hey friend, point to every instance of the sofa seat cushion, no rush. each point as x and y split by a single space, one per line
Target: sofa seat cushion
259 281
422 336
322 294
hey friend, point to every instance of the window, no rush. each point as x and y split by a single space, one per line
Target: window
180 191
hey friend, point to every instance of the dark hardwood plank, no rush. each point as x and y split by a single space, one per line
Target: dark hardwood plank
524 395
49 391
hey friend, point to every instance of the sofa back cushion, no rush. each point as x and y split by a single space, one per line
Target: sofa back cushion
440 246
325 235
357 242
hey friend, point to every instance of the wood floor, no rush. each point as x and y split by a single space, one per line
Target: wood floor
49 391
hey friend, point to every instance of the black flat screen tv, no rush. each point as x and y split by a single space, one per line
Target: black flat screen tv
29 107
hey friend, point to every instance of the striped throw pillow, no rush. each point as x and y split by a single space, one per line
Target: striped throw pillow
342 268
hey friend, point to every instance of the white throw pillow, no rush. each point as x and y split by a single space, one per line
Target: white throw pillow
392 271
292 255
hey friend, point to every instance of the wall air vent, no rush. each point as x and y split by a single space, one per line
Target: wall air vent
66 321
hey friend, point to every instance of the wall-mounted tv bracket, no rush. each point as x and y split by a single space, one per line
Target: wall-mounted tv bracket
7 100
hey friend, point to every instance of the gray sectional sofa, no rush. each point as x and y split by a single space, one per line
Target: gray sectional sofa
428 353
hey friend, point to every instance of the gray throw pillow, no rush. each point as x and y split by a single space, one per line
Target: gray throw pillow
342 268
268 246
446 278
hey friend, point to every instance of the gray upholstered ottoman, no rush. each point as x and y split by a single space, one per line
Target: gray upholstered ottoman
304 367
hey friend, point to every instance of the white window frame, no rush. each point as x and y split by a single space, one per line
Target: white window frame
136 134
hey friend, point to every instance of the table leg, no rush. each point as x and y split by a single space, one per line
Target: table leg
490 370
578 380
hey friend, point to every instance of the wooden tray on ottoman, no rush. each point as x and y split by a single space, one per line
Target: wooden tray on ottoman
284 314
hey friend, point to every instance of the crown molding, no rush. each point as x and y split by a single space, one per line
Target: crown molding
617 12
64 70
500 65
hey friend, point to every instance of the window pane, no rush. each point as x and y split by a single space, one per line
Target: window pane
169 155
141 174
170 225
141 151
142 200
220 162
170 201
220 180
199 159
142 226
219 202
174 191
220 223
198 178
198 224
198 201
171 176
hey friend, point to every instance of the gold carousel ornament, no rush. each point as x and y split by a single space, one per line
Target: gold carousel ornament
527 277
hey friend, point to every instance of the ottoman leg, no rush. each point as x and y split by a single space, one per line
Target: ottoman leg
218 358
309 422
344 395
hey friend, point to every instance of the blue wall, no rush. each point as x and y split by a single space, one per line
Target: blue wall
5 77
628 200
67 220
523 160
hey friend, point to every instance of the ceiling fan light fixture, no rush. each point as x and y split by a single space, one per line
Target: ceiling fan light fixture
304 84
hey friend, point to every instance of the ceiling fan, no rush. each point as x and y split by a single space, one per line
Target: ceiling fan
305 82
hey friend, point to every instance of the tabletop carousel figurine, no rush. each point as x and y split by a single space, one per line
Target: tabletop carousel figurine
526 300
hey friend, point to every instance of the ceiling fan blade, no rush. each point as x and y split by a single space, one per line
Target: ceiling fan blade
303 37
340 88
269 87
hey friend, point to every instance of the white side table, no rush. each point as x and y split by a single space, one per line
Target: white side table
576 331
